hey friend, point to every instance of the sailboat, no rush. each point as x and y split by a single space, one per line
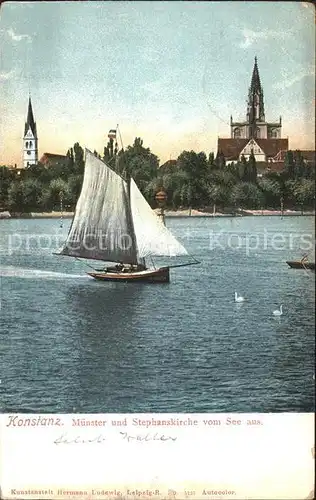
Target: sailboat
114 223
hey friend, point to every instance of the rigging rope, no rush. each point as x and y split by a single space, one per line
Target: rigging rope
77 258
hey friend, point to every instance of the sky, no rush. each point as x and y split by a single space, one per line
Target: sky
170 72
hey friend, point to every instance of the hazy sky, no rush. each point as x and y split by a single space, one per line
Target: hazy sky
171 72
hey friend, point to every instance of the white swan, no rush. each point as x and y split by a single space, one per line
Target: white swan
278 312
239 299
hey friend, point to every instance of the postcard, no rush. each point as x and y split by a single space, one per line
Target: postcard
157 456
157 208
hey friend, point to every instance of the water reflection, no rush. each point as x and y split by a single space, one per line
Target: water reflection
105 326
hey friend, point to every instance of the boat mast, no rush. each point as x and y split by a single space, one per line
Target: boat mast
128 182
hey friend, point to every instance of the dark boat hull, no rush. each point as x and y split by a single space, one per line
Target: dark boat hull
297 264
148 276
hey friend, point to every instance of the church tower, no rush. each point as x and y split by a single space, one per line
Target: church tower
255 126
254 135
255 109
30 151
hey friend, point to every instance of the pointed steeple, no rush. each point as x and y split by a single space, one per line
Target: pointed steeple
255 79
255 110
30 122
30 139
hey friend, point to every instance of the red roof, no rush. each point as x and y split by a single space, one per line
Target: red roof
271 147
52 157
232 148
168 164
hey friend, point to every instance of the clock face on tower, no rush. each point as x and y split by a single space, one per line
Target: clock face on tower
28 152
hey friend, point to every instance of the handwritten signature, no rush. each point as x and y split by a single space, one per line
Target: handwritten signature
65 439
148 437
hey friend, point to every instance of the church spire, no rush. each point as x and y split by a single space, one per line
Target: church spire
30 122
30 139
255 80
255 111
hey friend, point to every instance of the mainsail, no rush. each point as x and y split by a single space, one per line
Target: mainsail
102 227
114 223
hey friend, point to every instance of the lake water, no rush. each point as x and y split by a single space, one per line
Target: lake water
72 344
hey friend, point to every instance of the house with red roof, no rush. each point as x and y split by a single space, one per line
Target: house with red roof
50 159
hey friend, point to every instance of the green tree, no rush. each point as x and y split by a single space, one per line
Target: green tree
304 193
211 160
289 192
173 184
299 165
247 195
220 160
218 195
110 152
57 191
252 168
32 189
71 158
16 196
242 168
187 194
139 162
289 164
193 164
38 172
78 154
7 176
74 185
271 190
195 169
225 178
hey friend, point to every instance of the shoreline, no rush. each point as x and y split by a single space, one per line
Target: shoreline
168 213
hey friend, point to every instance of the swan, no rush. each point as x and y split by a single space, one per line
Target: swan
239 299
278 312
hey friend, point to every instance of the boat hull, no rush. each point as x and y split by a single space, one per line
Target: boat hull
297 264
148 276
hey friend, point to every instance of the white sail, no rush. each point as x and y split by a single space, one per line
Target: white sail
152 236
102 227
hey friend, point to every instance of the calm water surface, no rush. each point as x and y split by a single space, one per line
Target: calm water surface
71 344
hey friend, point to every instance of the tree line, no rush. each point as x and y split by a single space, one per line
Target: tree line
194 180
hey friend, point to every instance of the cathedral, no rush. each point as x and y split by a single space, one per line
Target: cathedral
30 140
254 134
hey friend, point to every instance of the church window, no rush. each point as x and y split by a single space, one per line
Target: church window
236 133
26 144
30 144
258 132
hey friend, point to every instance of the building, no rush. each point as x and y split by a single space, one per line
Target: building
51 159
168 166
30 139
254 134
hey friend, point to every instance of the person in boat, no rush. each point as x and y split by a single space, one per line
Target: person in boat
140 267
119 267
126 268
